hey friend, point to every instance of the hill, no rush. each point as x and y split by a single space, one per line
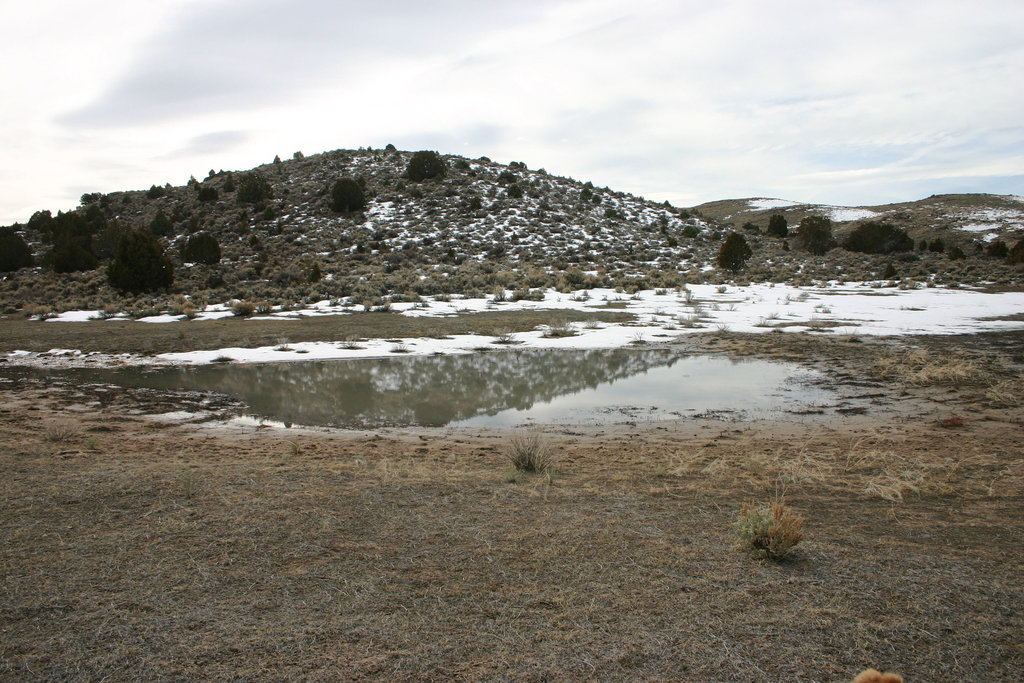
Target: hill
482 227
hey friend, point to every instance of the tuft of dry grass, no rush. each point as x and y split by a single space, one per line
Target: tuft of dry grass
880 467
529 453
1005 393
918 367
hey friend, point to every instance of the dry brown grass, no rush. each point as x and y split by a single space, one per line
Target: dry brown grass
879 467
181 552
921 367
1006 392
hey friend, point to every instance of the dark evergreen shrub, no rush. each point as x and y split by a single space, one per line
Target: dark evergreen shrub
201 247
161 225
14 252
507 177
139 264
878 238
778 226
1016 254
425 165
70 257
39 220
734 252
514 191
104 242
253 188
691 231
586 194
208 194
229 183
937 245
890 271
955 253
71 236
815 234
347 195
155 192
998 249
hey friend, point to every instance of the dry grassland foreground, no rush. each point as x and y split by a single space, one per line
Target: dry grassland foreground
135 549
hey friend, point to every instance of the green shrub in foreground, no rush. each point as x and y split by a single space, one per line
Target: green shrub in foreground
769 530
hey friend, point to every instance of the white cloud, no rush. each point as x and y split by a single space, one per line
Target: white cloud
841 103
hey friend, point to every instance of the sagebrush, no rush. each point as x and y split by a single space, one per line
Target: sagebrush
770 530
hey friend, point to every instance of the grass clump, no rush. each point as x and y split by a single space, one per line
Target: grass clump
529 453
919 368
559 329
62 432
770 531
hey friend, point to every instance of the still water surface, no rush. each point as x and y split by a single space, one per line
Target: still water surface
498 389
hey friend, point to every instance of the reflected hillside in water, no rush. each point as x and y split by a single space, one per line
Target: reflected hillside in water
427 391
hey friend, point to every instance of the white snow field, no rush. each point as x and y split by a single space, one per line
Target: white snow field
834 308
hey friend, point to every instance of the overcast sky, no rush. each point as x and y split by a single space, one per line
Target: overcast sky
841 102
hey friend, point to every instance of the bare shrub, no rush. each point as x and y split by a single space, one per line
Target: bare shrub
504 336
62 432
559 329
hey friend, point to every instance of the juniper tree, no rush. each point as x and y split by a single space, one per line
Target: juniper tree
878 238
425 165
734 252
201 247
139 264
815 234
778 226
253 188
14 252
347 195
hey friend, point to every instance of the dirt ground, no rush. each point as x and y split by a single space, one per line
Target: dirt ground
136 549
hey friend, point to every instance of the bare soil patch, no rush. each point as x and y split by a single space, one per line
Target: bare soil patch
138 549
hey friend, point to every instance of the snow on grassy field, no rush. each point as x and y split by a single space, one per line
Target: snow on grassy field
660 315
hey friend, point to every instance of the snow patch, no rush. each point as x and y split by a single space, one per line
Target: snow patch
842 214
762 204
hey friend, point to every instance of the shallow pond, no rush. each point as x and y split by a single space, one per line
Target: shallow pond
496 389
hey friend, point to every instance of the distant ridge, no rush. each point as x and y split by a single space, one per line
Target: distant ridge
486 226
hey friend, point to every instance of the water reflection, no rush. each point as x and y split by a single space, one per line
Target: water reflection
498 388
